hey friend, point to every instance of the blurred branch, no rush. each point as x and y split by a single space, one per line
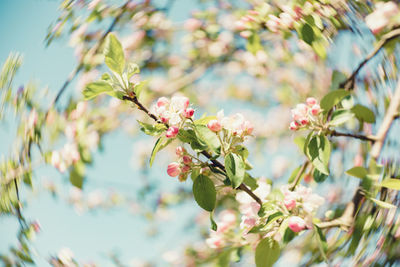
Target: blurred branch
357 136
348 84
298 176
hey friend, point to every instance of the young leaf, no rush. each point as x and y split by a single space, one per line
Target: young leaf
114 54
235 169
359 172
132 69
307 34
340 116
363 113
267 252
76 175
332 99
391 184
96 88
318 151
214 225
250 181
204 192
337 78
151 129
208 137
318 176
157 147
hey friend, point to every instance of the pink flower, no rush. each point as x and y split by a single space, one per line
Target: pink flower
179 103
296 224
162 101
172 132
380 18
188 113
315 109
185 168
289 202
180 151
311 101
173 169
215 240
247 127
187 160
228 219
214 125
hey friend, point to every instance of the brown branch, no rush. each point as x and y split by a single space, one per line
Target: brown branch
215 162
351 208
370 138
298 176
348 84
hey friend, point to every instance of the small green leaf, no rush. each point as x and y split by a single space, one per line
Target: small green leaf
250 181
391 184
318 151
132 69
319 177
114 54
307 34
383 204
332 99
267 252
322 243
337 78
151 129
359 172
138 88
204 192
204 120
235 169
96 88
254 43
159 145
340 116
76 175
363 113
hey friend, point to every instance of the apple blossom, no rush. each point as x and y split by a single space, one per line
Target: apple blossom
188 113
214 125
172 132
296 224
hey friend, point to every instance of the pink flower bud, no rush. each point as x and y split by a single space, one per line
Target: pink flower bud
180 151
185 168
173 169
164 119
296 224
172 132
304 121
293 126
248 127
315 109
289 202
188 113
187 160
36 226
162 101
214 125
311 101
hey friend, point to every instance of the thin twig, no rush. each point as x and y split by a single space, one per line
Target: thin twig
370 138
348 84
19 213
298 176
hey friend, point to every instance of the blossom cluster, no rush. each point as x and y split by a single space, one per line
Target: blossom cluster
305 114
236 124
63 158
302 204
382 16
226 222
182 167
173 112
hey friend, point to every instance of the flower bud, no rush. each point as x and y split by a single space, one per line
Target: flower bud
296 224
162 101
214 125
173 169
187 160
311 101
185 168
180 151
293 126
188 113
289 202
172 132
315 109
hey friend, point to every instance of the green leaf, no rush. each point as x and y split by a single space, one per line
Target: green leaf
383 204
96 88
250 181
322 243
151 129
254 43
300 141
307 33
267 252
159 145
318 150
138 88
76 175
333 98
363 113
359 172
340 116
318 176
204 192
337 78
391 184
114 54
208 137
132 69
204 120
235 169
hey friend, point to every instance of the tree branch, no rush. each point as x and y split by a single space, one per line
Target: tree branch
348 84
370 138
298 176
